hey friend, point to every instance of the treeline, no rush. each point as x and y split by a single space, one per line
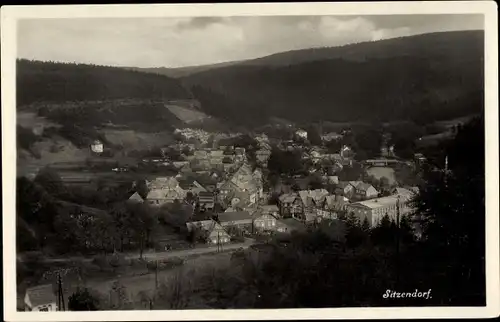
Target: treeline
66 82
143 115
422 90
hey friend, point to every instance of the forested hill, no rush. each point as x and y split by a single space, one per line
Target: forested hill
439 76
61 82
179 72
455 45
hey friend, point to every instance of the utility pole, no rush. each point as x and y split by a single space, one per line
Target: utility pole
60 294
156 274
60 291
397 239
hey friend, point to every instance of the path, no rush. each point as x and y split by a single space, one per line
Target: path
165 254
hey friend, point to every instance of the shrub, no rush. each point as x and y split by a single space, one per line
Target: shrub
84 299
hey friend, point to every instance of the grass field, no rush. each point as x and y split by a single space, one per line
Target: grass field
31 119
186 114
379 172
134 140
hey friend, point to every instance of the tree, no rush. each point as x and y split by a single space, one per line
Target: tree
175 294
120 216
313 135
284 162
50 180
333 146
315 182
384 233
369 140
83 300
454 231
119 299
142 222
365 226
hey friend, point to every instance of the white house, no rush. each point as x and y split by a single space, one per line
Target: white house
375 209
40 298
97 146
301 134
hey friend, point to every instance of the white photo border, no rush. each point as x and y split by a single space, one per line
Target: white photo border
9 17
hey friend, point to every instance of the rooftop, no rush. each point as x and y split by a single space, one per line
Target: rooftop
40 295
378 202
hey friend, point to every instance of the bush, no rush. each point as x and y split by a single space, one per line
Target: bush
84 299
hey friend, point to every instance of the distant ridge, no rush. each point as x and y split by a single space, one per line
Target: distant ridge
422 78
408 45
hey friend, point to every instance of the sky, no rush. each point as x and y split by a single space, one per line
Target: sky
178 42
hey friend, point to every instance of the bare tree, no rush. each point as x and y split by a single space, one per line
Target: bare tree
175 293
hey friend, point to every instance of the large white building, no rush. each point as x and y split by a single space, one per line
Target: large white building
40 298
302 134
375 209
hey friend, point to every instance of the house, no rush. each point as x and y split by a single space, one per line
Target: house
291 205
160 197
335 203
420 158
331 179
263 156
216 156
301 134
264 222
164 190
345 188
330 136
375 209
365 191
218 235
212 232
136 197
238 219
97 146
270 210
163 183
192 185
40 298
312 200
346 152
243 180
206 200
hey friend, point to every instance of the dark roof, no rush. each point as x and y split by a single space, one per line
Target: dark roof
42 294
234 216
205 194
363 186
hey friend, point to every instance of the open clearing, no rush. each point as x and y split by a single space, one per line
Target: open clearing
134 140
379 172
31 119
186 114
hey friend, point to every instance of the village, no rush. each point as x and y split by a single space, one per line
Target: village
226 197
230 195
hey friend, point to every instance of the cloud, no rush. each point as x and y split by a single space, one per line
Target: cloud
199 23
175 42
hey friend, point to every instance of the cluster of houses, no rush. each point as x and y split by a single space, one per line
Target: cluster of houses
299 209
